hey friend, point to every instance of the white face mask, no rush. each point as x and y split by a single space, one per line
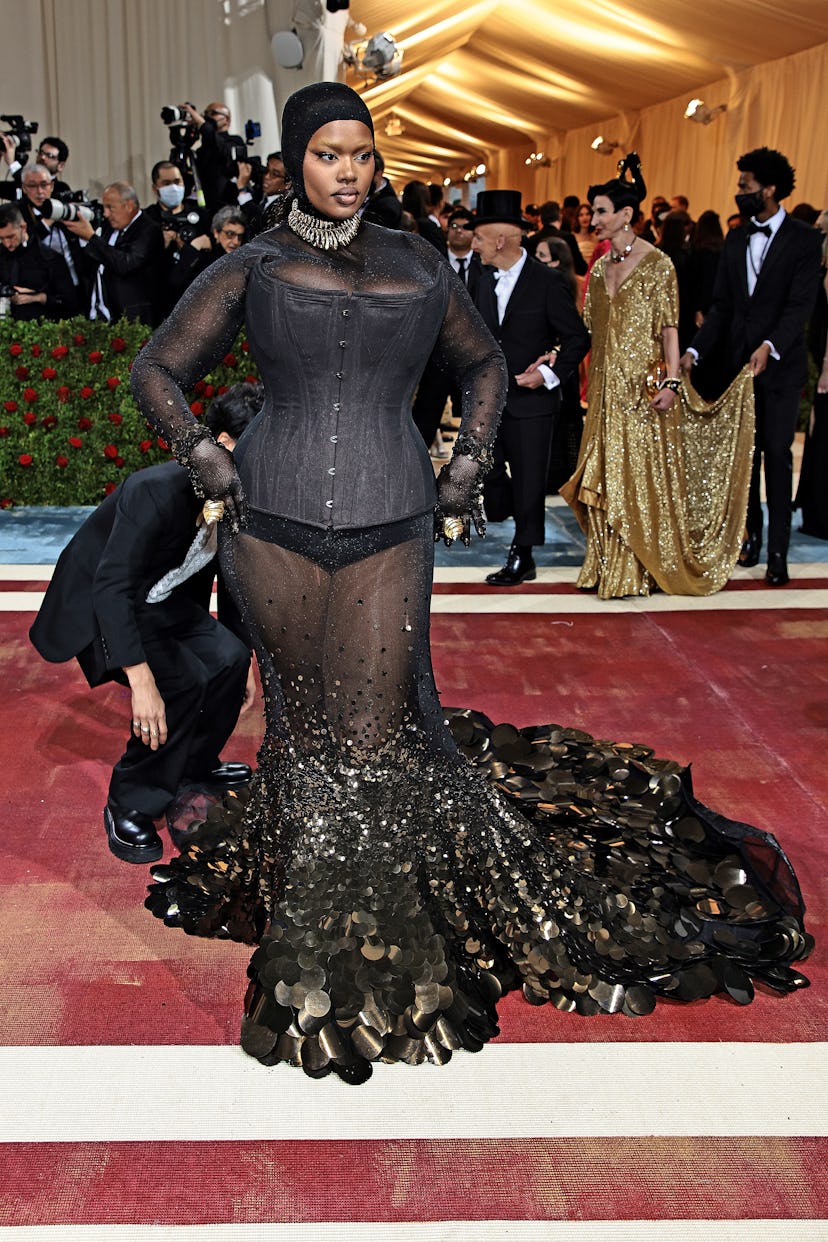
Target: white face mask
171 195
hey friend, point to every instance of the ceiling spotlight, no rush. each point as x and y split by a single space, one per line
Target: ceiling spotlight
481 170
394 126
603 146
698 111
379 58
538 160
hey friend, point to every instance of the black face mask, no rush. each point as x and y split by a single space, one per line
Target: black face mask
750 204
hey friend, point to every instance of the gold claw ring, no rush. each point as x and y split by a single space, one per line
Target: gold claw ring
213 511
452 528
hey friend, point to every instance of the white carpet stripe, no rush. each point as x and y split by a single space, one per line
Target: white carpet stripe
568 573
567 605
438 1231
89 1094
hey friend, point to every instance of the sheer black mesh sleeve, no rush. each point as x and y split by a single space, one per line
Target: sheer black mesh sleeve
468 350
194 338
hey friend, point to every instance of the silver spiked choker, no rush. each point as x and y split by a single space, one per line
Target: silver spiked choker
324 234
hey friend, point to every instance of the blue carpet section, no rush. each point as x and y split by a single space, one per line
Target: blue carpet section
35 536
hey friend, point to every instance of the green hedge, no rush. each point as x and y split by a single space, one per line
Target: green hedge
69 429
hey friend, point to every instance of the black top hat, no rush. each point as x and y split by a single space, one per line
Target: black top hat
500 207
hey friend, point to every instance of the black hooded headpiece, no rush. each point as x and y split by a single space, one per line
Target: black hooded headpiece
305 112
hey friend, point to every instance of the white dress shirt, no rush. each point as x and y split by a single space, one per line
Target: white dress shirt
505 281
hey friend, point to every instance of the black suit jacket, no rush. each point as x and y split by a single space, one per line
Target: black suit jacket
131 268
474 273
136 535
43 271
384 207
539 314
776 311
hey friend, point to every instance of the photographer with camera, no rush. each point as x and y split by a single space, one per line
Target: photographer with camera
123 261
221 159
35 281
52 154
180 221
41 215
228 229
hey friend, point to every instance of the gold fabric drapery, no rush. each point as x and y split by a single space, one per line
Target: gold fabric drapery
661 496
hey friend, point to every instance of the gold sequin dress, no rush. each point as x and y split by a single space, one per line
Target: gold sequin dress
661 497
399 867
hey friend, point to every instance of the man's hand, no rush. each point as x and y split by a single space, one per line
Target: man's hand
759 359
9 149
249 691
529 379
25 297
81 228
192 115
149 718
202 242
686 362
245 173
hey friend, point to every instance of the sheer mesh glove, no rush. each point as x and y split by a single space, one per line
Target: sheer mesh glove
460 491
214 477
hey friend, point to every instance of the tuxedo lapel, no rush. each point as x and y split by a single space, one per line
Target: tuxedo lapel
775 253
487 300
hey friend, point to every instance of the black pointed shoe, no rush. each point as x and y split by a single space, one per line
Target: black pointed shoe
519 568
777 571
131 835
749 552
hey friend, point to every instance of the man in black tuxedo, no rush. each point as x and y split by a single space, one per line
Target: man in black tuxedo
125 260
434 387
765 290
189 674
530 311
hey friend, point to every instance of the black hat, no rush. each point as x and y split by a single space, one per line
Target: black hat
500 207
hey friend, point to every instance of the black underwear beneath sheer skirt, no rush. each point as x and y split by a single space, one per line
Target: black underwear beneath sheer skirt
329 548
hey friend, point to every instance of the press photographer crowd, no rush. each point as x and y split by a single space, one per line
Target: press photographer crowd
64 253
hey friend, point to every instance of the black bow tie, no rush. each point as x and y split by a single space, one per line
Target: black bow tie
765 229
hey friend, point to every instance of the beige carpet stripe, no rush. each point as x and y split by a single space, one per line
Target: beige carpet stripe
88 1094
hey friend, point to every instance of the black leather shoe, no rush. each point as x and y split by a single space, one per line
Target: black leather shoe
225 776
519 568
777 571
131 835
749 553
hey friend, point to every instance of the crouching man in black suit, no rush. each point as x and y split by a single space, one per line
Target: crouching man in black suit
189 674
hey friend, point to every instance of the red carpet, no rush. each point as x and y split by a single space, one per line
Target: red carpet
743 695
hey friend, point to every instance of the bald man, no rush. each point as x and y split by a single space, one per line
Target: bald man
530 311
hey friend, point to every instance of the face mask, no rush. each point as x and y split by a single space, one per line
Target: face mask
750 204
171 195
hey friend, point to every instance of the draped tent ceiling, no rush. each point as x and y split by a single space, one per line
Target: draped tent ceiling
482 82
481 78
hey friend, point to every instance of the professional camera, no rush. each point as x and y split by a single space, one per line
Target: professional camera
73 205
183 132
7 292
239 152
187 224
19 133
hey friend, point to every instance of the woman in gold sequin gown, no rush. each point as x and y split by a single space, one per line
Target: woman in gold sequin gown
399 867
660 488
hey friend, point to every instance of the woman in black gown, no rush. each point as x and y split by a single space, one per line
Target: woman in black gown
393 891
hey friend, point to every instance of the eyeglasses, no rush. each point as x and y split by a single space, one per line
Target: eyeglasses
215 112
238 234
36 185
48 155
462 228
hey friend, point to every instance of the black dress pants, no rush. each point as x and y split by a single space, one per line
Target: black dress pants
777 410
200 668
433 391
525 444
